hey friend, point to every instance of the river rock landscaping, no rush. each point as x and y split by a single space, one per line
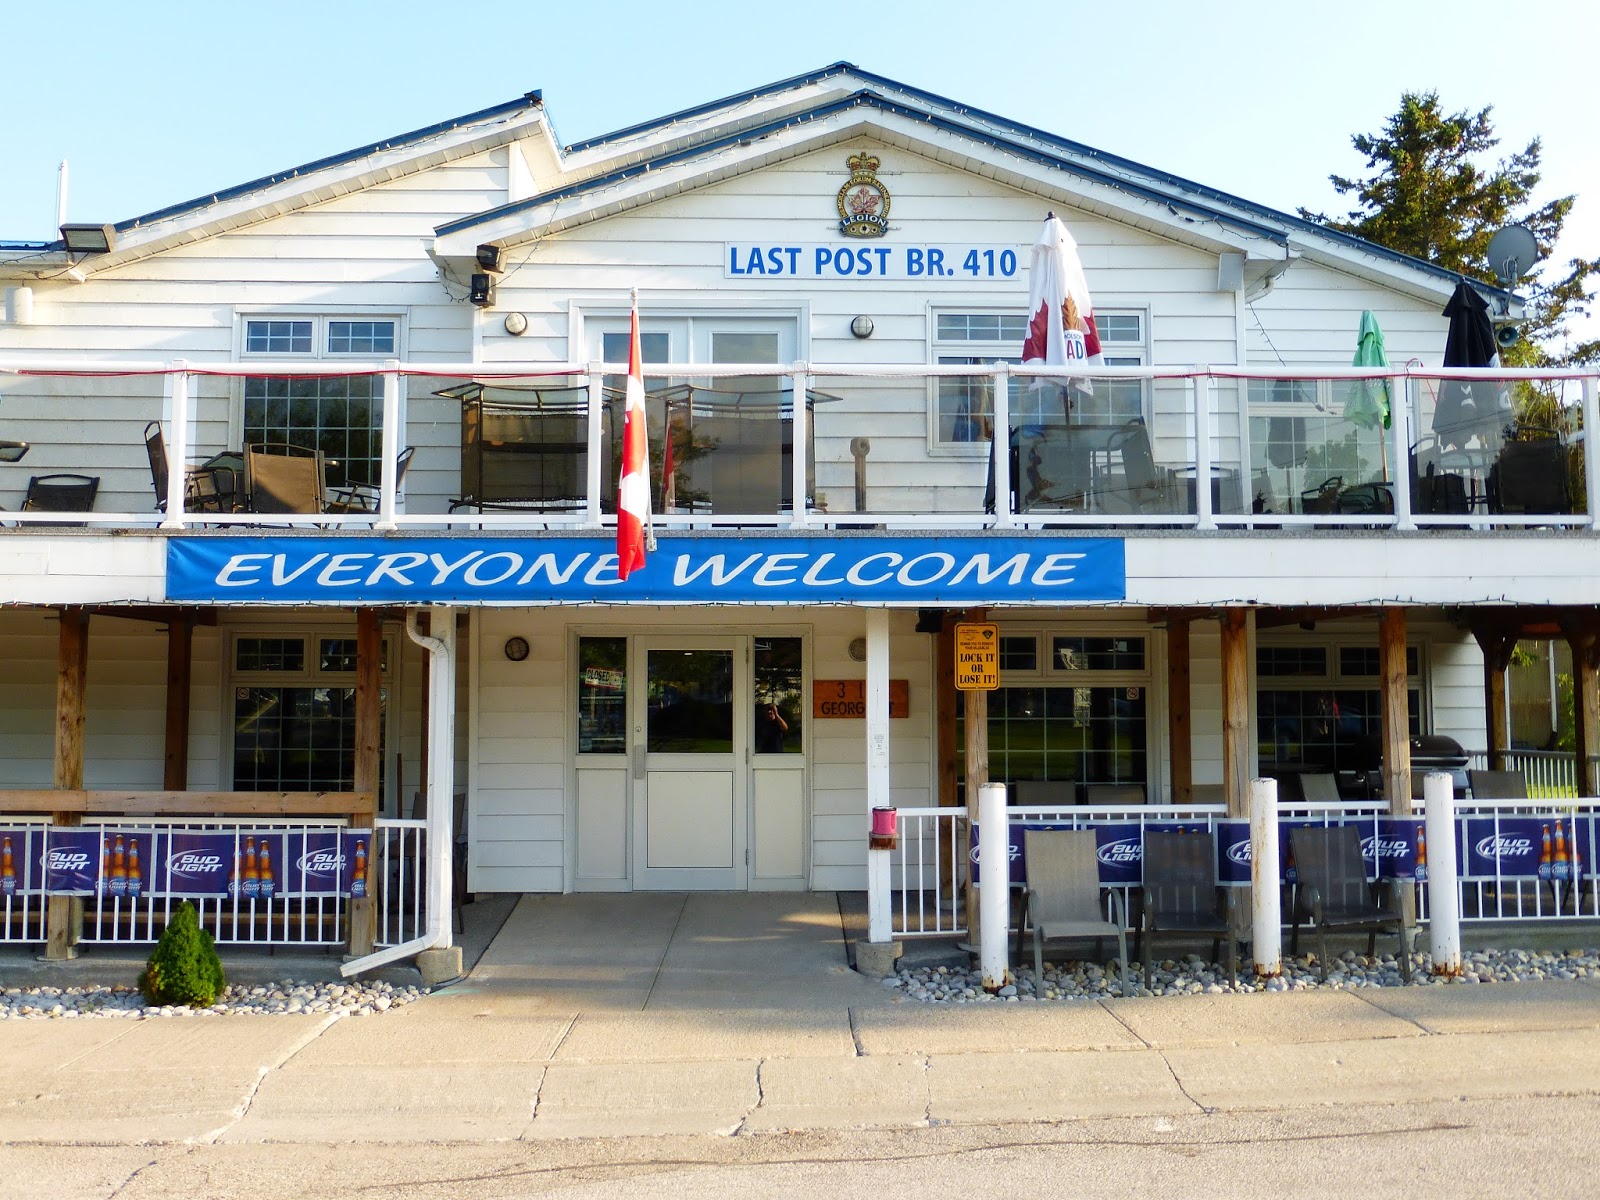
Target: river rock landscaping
289 996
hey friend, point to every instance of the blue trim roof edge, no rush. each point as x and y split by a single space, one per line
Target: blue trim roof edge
528 100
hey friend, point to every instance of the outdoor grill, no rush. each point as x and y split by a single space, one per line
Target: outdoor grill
1429 752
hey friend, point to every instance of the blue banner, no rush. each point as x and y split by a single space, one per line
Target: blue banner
21 866
72 861
841 568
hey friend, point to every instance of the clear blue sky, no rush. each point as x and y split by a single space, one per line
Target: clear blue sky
159 103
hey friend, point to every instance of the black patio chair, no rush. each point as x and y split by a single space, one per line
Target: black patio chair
363 497
61 493
1182 898
1530 475
1333 893
207 488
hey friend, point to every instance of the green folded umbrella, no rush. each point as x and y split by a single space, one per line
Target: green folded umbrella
1367 402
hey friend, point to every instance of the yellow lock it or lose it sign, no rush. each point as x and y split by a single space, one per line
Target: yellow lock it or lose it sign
977 657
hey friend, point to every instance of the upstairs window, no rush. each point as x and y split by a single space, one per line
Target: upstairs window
342 416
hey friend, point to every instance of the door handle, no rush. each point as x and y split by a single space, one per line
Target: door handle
638 762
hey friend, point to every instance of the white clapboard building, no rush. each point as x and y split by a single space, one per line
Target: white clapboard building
225 602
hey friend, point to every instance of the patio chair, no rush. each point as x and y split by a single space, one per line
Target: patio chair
1063 897
61 493
1042 793
1530 475
1333 893
205 488
1181 897
1142 487
1318 788
281 478
363 497
1498 785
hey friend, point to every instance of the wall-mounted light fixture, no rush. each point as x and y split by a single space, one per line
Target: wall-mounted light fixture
861 327
89 239
489 257
482 291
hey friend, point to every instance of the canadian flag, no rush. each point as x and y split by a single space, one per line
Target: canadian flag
633 490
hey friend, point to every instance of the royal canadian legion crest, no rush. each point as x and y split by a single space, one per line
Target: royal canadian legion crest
863 201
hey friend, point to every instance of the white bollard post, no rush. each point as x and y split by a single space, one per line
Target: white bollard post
1444 900
994 874
1266 926
880 903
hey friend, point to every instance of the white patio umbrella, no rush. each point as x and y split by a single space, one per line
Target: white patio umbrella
1061 329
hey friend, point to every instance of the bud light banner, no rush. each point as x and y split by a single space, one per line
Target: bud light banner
1546 847
195 863
72 861
21 865
1118 848
315 863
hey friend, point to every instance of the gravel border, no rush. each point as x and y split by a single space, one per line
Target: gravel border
272 999
1069 981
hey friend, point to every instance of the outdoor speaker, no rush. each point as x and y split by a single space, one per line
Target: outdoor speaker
482 293
489 257
1507 336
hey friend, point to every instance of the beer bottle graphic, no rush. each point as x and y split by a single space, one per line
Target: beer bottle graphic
1545 857
105 864
1421 871
250 881
1291 874
8 869
117 885
358 881
1561 864
233 874
135 872
265 884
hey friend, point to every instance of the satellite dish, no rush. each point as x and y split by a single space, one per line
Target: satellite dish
1512 253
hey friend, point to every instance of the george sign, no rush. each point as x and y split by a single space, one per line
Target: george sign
946 570
848 698
927 262
977 656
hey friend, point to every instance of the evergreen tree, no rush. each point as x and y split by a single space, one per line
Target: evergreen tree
1428 196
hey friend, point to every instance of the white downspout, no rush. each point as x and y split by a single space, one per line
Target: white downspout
440 784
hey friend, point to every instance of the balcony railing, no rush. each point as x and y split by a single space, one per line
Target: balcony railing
535 445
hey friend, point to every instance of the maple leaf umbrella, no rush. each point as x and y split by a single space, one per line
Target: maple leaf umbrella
1061 329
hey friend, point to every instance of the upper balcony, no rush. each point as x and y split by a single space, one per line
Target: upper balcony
536 446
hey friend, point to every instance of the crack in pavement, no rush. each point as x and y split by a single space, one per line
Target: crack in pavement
242 1110
1165 1062
855 1032
661 963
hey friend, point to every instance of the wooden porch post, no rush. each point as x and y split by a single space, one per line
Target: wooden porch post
1584 638
1496 639
64 914
1237 759
180 644
369 711
1396 710
1179 726
975 712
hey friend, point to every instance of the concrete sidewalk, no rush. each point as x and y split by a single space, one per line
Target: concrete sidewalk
612 1016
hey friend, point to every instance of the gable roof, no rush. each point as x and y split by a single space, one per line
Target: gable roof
677 137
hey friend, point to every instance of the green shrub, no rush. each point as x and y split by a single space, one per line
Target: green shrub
184 968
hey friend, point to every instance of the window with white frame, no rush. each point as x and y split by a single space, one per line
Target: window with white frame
962 404
1071 709
293 713
1317 701
1300 439
342 416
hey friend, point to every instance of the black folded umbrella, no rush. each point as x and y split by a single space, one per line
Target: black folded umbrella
1465 409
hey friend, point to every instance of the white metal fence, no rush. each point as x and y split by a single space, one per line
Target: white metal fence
930 867
288 916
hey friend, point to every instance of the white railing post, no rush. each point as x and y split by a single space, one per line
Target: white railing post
1266 925
1203 388
799 434
1444 898
1400 450
994 890
1000 445
880 908
1591 450
178 448
592 463
388 464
